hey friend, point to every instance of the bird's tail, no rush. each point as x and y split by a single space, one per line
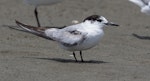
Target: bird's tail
39 31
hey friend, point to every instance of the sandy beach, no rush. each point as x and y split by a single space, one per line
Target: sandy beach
122 55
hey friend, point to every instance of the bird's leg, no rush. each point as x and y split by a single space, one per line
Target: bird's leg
81 56
75 56
37 18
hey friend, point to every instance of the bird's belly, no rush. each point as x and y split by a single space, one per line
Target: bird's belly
90 42
86 44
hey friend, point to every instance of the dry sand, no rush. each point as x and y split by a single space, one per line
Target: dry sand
122 55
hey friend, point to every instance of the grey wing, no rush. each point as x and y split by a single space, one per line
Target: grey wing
69 38
72 38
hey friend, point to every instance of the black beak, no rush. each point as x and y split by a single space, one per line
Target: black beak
111 24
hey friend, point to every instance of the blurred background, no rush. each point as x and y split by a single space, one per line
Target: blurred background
122 55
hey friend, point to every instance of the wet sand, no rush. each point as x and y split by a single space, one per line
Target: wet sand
122 55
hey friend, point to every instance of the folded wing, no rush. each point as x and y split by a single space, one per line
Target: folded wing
39 31
66 37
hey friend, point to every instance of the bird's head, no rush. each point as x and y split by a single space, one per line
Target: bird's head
100 20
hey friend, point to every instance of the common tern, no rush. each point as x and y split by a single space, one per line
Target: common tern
78 37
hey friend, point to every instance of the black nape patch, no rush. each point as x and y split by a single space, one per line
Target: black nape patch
93 18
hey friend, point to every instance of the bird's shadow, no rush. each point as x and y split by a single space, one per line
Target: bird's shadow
141 37
68 60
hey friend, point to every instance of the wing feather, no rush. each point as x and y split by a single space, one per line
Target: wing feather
39 31
67 36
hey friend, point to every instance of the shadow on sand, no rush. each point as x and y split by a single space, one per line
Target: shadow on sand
68 60
141 37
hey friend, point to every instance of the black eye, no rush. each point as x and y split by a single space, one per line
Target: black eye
99 20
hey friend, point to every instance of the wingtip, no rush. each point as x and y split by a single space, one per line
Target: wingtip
17 21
